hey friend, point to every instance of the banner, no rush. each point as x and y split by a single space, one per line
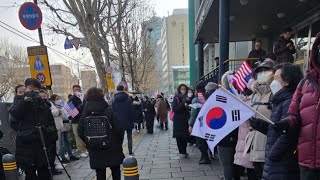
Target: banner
220 115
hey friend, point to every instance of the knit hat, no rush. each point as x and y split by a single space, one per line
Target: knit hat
200 87
211 86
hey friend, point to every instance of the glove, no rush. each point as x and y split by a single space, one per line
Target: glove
282 126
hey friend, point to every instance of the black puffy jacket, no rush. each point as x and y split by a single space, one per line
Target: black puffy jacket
122 111
102 158
281 156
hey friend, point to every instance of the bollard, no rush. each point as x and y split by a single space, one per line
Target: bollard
130 168
10 167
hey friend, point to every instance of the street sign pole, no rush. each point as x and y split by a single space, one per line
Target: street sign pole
41 44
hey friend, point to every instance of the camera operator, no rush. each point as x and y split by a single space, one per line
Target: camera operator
35 119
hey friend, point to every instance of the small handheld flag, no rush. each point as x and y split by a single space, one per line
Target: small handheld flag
71 109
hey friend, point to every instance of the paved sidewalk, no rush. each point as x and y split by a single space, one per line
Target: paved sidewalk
158 158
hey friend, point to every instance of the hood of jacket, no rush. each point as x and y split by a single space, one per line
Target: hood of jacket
120 97
137 102
314 69
96 106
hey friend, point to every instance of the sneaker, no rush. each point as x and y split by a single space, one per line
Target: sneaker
138 131
65 160
83 155
73 158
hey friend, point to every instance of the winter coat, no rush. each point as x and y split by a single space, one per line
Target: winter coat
102 158
181 117
149 111
281 157
194 112
162 110
305 113
79 105
241 158
122 111
29 116
284 54
60 119
255 140
261 54
137 111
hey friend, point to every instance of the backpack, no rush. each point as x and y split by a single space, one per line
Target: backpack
98 132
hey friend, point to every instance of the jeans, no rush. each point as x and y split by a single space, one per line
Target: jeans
65 145
182 145
226 157
81 146
309 174
129 138
116 173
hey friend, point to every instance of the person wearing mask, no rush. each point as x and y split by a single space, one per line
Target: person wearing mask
226 147
101 158
241 159
137 113
52 147
281 157
257 52
20 90
162 112
304 114
180 106
150 114
122 114
260 101
33 114
192 139
284 47
63 127
77 102
197 103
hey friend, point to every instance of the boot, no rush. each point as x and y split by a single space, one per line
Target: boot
201 159
205 159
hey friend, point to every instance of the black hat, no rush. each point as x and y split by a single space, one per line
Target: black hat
31 81
200 87
120 88
269 64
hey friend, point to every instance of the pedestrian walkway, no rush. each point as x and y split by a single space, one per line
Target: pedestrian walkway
158 158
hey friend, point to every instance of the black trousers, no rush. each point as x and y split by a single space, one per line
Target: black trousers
309 174
116 173
258 168
203 147
164 125
150 125
251 174
42 173
182 145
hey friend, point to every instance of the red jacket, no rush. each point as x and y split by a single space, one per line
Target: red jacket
306 104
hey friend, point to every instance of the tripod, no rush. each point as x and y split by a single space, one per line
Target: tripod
64 168
45 151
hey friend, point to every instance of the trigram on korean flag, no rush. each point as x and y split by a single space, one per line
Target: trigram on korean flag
221 99
209 137
201 120
235 115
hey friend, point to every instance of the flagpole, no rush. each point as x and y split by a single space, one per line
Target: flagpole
263 117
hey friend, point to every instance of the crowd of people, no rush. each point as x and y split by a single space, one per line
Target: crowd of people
47 133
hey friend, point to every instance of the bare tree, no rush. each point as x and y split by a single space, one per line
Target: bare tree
13 67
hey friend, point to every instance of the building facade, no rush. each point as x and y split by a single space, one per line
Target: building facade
180 75
174 43
88 79
62 80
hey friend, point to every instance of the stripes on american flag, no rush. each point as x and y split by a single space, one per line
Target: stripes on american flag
71 109
242 76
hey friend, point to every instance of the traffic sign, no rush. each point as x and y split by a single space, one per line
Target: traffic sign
110 83
39 64
41 78
30 15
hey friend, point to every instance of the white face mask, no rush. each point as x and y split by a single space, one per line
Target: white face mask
190 95
275 86
58 101
262 77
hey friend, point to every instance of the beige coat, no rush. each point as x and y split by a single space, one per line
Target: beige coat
256 141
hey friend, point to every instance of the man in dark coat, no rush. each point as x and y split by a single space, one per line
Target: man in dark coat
149 113
258 52
122 113
77 102
284 47
102 158
33 114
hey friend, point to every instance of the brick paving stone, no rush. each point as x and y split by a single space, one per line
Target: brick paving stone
164 170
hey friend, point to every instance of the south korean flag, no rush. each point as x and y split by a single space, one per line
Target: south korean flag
220 115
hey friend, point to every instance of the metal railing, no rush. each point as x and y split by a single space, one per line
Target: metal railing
228 65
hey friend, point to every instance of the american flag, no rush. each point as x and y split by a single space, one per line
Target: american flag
71 109
242 76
